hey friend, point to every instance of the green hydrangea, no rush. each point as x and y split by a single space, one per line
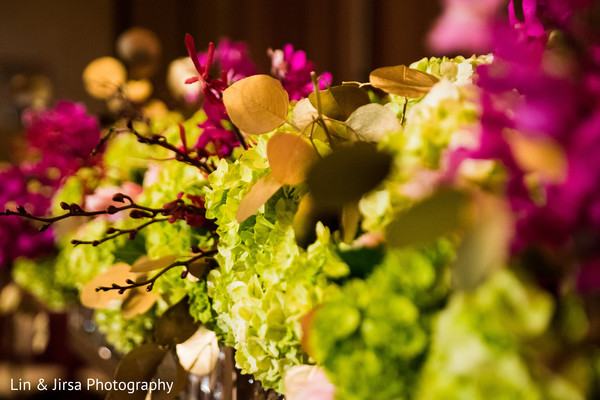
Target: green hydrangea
38 278
372 335
444 119
458 69
125 333
176 238
200 304
476 350
265 282
77 265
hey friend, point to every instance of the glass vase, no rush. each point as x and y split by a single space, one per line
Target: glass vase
225 382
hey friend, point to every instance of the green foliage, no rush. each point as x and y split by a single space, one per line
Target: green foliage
125 334
39 279
478 341
372 335
265 282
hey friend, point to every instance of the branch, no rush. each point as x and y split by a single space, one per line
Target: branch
179 155
149 283
75 210
115 232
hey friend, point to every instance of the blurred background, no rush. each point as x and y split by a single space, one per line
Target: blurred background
44 48
45 45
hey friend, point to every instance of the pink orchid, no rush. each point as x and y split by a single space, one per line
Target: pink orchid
210 86
103 197
465 25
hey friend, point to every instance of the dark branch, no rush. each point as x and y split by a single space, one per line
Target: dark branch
75 210
149 283
115 232
179 155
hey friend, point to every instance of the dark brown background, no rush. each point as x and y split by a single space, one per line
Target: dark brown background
345 37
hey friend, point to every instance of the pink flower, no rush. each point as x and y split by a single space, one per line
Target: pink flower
465 25
103 197
19 237
293 70
62 140
308 382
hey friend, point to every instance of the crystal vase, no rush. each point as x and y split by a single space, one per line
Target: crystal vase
225 382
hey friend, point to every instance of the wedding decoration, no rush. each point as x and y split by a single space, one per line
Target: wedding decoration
431 233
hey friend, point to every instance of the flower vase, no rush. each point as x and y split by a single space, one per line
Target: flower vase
225 382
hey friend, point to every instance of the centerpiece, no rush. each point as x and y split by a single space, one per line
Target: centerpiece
430 233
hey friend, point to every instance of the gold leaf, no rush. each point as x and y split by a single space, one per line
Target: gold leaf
303 114
176 325
118 273
262 190
139 365
428 219
347 174
538 155
290 157
146 264
372 121
305 221
200 267
256 104
138 301
339 102
103 76
337 132
170 370
306 323
350 221
485 246
403 81
200 352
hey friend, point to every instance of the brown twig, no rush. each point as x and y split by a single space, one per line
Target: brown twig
149 283
115 232
161 141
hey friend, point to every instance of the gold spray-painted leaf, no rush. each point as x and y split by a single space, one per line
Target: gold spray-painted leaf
170 370
138 301
539 155
146 264
200 352
347 174
290 157
260 192
429 219
176 325
485 246
339 102
256 104
118 273
337 132
350 221
103 76
200 267
372 121
303 114
307 216
403 81
306 323
139 365
304 221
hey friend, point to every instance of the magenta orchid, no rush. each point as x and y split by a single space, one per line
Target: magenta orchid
293 70
210 86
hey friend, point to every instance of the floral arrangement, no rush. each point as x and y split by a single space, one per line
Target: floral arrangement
432 233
